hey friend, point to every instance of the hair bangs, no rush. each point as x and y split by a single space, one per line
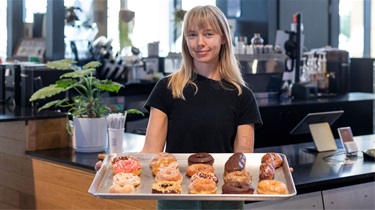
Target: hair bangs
202 17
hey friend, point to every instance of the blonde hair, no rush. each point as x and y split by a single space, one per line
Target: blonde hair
229 69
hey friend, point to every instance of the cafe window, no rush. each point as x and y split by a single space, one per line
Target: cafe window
3 29
153 23
356 36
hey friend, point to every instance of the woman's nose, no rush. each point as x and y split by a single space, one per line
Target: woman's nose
201 41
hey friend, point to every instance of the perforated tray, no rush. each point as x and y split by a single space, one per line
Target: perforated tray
103 180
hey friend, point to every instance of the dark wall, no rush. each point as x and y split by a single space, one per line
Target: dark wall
320 19
362 75
256 17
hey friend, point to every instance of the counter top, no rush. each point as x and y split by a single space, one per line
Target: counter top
312 171
14 113
354 96
17 113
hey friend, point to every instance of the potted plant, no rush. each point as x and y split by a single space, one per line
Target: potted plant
85 107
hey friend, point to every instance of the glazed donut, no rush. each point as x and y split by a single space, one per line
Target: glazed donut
127 166
278 159
160 155
201 157
266 171
199 167
166 187
162 163
268 158
237 188
126 178
169 174
236 162
271 187
121 188
204 175
238 176
202 186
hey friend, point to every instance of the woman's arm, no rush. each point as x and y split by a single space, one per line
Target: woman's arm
244 141
156 132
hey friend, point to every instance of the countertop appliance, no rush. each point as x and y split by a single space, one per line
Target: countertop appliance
21 80
338 69
263 73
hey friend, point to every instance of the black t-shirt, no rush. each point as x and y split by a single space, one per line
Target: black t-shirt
206 121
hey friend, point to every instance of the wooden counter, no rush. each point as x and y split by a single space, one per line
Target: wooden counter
313 174
30 183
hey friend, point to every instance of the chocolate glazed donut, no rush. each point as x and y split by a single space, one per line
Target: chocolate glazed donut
201 157
237 188
236 162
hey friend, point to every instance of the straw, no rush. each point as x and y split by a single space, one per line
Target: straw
116 121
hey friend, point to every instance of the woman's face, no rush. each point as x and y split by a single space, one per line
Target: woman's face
204 44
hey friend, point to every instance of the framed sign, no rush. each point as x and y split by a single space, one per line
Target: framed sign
31 47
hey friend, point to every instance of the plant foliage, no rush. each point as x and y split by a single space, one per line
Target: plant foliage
89 89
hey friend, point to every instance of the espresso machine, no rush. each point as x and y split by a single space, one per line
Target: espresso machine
338 69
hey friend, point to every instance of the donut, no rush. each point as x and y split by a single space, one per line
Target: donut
121 188
199 167
204 175
123 157
169 174
236 162
162 163
278 159
160 155
271 187
201 157
268 158
266 171
237 188
238 176
202 186
167 187
127 166
126 178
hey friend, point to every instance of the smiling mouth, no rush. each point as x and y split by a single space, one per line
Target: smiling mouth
201 52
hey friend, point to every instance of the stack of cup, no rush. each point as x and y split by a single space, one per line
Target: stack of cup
116 124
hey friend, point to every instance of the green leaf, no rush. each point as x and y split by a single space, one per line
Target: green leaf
92 64
65 64
49 104
78 73
46 92
135 111
64 83
109 85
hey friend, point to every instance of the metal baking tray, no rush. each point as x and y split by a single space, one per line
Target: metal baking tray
103 180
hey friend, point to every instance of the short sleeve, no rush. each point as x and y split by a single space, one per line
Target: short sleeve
159 96
249 110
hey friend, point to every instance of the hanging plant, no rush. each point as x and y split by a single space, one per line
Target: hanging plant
126 25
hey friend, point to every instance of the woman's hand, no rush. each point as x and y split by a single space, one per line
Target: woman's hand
98 164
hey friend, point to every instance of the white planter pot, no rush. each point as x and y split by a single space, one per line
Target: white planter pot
90 134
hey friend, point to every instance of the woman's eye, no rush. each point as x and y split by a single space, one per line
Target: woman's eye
209 34
192 35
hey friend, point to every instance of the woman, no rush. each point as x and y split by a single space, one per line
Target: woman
205 105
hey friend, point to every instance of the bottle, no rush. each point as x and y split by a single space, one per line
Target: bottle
284 91
323 76
257 39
